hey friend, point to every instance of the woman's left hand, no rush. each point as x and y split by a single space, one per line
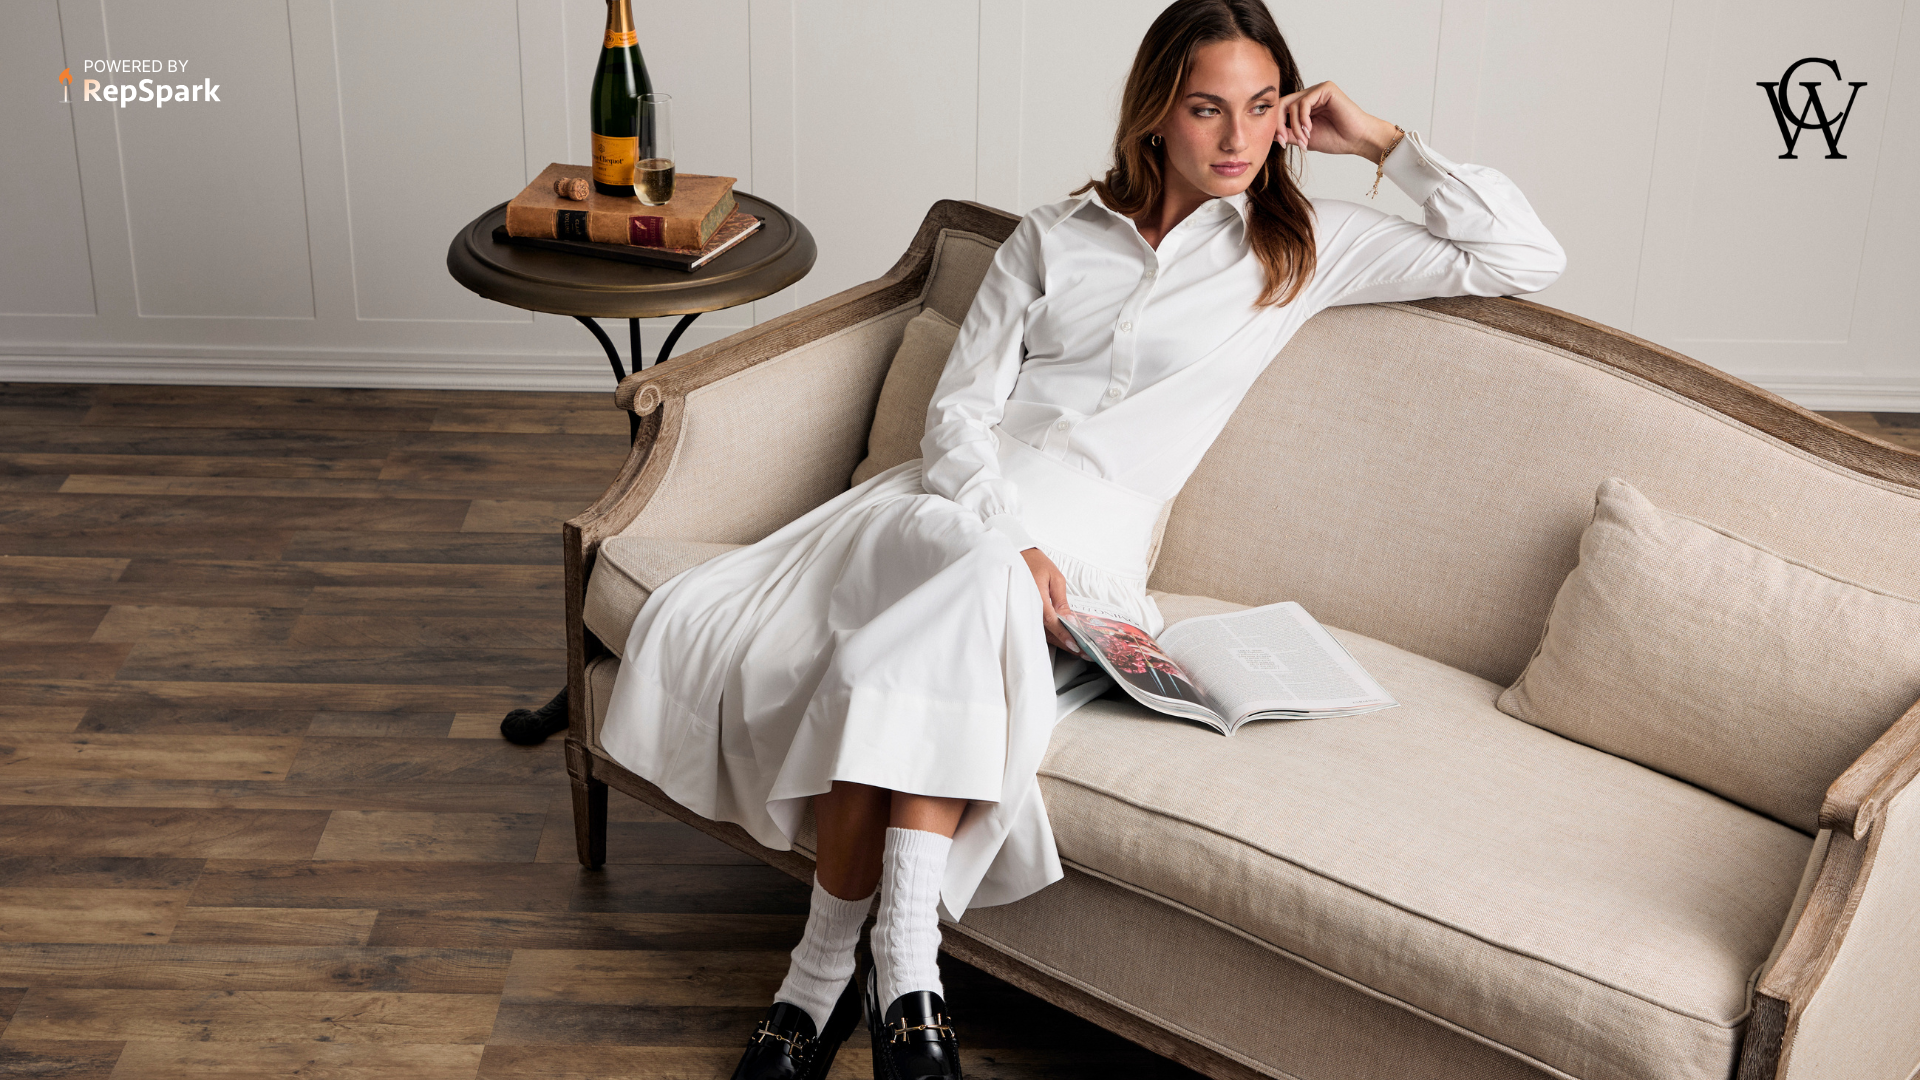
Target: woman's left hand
1053 598
1322 118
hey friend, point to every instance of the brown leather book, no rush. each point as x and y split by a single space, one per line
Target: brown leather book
736 228
699 204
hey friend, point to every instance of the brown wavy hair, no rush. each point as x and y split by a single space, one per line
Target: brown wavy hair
1279 217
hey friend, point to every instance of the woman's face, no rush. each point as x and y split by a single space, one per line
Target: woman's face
1225 120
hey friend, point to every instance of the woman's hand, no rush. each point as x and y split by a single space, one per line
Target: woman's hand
1322 118
1053 597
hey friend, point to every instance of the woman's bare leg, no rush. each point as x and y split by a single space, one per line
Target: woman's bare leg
906 928
926 813
863 830
852 824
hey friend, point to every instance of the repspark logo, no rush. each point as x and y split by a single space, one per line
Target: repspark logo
146 90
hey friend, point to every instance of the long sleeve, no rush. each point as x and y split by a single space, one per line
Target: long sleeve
959 454
1481 238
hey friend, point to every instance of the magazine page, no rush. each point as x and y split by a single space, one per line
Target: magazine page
1273 660
1075 682
1137 663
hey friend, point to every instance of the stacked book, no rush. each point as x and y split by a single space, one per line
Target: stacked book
698 223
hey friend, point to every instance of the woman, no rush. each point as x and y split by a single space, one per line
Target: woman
886 656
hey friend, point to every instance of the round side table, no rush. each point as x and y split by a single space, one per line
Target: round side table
780 253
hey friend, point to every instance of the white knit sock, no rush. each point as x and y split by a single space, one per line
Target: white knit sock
823 961
906 930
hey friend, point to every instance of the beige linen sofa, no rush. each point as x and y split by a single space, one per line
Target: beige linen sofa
1436 891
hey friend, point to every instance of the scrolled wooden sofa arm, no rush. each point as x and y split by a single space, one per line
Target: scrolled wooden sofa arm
1860 796
1842 999
660 395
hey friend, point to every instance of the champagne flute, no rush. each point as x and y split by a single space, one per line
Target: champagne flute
653 170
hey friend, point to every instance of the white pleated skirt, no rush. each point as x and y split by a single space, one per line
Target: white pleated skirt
887 637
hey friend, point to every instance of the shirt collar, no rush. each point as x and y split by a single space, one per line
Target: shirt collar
1237 203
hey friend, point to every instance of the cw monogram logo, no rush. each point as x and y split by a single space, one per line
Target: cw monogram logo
1791 125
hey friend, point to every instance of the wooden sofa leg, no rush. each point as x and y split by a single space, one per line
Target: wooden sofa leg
589 807
1760 1047
590 822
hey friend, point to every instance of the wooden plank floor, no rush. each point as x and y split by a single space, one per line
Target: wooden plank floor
255 816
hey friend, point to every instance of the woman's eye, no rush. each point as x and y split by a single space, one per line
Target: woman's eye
1206 110
1262 108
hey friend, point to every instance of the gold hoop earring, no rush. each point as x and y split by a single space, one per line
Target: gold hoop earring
1153 140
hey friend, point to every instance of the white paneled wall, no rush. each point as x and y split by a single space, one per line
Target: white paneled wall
44 265
296 232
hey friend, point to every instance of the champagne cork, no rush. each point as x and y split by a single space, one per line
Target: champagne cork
571 187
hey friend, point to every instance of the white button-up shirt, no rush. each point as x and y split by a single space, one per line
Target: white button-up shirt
1092 347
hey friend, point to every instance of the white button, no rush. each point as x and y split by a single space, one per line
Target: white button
1113 391
1125 327
1062 425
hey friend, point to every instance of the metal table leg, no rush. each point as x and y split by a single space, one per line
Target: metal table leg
633 343
613 354
530 726
673 339
633 350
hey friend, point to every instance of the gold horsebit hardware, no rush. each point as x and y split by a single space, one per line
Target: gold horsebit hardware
900 1033
796 1043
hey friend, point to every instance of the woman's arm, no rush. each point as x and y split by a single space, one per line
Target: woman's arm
1480 238
959 456
958 452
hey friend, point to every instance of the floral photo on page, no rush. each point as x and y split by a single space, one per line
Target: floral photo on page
1134 654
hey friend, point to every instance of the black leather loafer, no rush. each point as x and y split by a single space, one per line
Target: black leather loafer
913 1039
785 1046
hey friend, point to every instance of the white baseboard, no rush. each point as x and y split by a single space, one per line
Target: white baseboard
588 371
439 369
1844 393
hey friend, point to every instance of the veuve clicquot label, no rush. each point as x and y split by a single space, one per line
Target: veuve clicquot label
613 161
615 109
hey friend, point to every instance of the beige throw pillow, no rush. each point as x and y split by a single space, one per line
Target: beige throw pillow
1685 648
901 416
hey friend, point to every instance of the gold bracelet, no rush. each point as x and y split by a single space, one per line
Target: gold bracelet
1380 170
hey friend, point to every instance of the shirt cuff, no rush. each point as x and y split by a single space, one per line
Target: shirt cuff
1011 527
1416 169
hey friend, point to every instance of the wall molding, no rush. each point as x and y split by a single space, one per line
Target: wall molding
391 371
582 370
412 369
1844 393
999 103
773 71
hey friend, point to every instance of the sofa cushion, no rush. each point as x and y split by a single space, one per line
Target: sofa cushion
627 571
1698 653
900 419
1578 909
960 263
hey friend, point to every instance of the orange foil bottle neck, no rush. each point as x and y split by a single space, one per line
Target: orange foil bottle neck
620 32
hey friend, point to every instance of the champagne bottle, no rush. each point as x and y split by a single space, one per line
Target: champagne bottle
615 111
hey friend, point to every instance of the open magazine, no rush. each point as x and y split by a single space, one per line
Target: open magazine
1224 670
